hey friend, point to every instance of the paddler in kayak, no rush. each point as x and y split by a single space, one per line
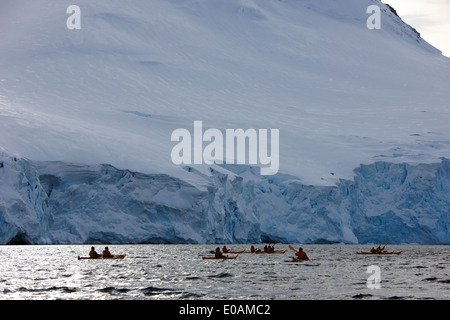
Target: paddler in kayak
106 253
217 253
93 254
225 249
379 249
301 255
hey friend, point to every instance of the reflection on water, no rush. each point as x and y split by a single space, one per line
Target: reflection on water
179 272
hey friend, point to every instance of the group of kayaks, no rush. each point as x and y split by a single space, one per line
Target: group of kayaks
252 251
374 251
240 252
256 252
234 254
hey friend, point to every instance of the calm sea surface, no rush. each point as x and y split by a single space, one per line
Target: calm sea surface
169 272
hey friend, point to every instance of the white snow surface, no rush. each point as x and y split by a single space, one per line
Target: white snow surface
110 94
114 91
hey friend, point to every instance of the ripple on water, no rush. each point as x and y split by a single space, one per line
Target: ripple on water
221 275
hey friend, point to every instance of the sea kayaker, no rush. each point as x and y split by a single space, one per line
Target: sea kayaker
106 253
301 255
224 249
252 249
217 253
93 253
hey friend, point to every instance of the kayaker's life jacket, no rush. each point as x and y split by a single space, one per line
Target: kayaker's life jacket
107 254
301 255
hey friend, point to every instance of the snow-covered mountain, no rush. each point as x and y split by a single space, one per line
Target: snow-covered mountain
86 118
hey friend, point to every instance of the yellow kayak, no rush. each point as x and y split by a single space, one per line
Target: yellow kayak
120 256
222 258
232 251
265 252
297 259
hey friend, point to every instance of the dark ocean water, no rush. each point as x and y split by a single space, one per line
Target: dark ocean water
178 272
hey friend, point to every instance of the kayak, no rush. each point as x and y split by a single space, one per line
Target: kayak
120 256
299 260
384 252
235 251
276 251
223 258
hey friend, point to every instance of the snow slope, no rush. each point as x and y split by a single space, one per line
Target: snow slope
113 92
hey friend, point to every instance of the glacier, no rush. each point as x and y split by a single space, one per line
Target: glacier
86 118
64 203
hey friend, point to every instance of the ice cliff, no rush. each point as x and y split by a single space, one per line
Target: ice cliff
86 118
56 202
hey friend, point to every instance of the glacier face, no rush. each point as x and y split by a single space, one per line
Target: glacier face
57 202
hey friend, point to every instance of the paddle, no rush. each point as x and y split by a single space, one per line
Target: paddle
379 249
